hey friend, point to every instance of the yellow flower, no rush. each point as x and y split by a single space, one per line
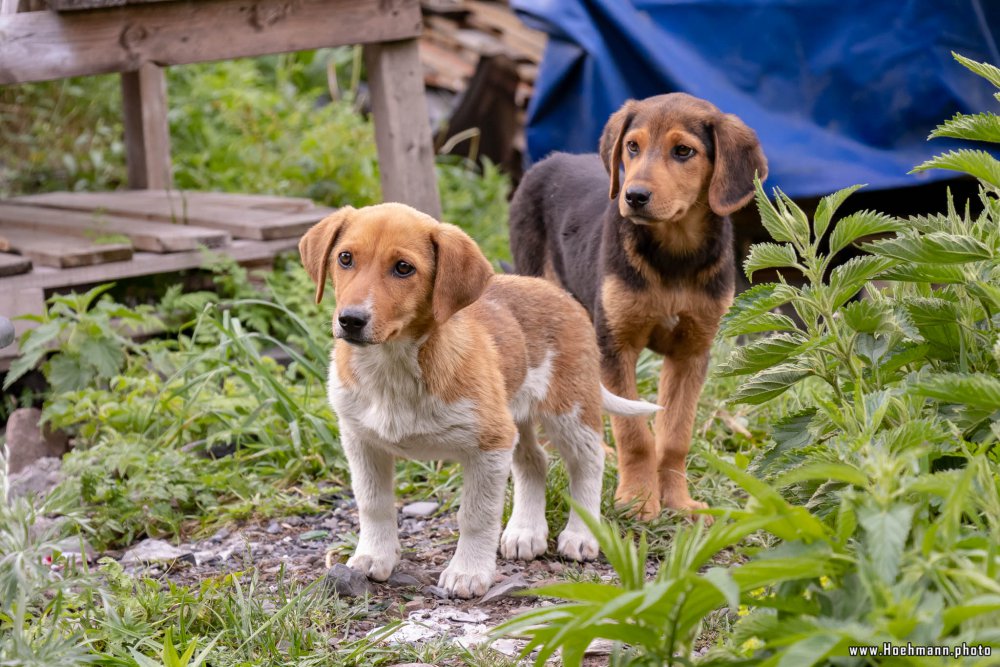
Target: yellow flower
825 582
743 610
751 645
758 593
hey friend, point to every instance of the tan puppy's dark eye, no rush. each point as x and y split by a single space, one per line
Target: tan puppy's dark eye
632 147
345 259
403 269
683 151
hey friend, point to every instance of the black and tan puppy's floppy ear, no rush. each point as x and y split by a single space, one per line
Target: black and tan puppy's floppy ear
610 147
738 156
461 274
317 244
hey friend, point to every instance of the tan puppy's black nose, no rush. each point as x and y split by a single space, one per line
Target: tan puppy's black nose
637 197
353 320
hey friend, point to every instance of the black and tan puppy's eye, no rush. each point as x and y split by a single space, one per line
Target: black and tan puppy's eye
683 151
345 259
632 147
403 269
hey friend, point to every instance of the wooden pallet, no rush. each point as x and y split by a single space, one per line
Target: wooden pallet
62 240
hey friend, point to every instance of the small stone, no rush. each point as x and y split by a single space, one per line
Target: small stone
273 528
154 551
555 567
505 588
414 605
347 582
205 557
6 332
221 534
420 509
28 442
507 646
37 478
292 521
403 580
436 591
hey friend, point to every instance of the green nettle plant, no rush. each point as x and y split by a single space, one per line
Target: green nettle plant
881 483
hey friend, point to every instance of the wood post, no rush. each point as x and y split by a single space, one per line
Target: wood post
402 127
147 134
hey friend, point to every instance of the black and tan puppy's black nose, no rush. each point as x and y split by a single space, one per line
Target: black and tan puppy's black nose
353 320
637 197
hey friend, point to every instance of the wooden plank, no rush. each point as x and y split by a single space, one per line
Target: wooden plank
58 251
141 264
147 133
143 234
402 127
235 199
73 5
39 46
241 223
11 265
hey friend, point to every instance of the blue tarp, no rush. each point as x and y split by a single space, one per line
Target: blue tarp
839 91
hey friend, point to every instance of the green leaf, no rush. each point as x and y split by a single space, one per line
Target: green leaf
886 532
975 127
769 383
858 225
977 606
761 354
979 391
866 316
723 581
823 471
103 354
933 248
847 279
773 222
809 651
828 206
68 373
924 273
985 70
768 256
750 312
980 164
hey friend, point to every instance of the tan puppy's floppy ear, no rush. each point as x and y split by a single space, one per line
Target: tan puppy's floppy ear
317 244
738 156
611 143
461 274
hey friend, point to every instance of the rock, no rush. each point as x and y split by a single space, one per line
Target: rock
155 551
420 509
505 588
220 534
6 332
273 528
414 605
507 646
37 478
75 550
292 521
27 441
347 582
403 580
436 591
205 557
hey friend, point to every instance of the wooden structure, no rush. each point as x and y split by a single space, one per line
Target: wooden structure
81 239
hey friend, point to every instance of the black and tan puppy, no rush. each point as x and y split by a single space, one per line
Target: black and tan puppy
654 266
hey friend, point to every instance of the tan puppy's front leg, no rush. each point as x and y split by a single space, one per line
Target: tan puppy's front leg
637 477
681 380
470 572
371 479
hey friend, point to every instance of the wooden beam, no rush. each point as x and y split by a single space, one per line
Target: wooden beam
56 250
147 132
39 46
402 127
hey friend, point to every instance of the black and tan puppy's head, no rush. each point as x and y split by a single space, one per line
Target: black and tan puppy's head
679 154
396 271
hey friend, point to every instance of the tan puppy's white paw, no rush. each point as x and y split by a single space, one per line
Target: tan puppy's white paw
578 545
466 584
523 543
374 567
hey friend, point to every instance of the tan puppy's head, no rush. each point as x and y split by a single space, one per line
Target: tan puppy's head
396 271
680 155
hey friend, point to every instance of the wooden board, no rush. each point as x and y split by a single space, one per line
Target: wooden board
11 265
141 264
147 133
255 224
235 199
58 251
143 234
39 46
71 5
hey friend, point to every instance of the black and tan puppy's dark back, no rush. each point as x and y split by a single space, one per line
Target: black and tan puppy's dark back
639 235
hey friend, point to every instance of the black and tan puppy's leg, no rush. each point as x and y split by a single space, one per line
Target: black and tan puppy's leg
637 461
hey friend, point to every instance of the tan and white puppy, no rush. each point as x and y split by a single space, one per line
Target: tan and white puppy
438 358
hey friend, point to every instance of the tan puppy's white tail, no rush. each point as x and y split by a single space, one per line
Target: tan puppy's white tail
624 407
